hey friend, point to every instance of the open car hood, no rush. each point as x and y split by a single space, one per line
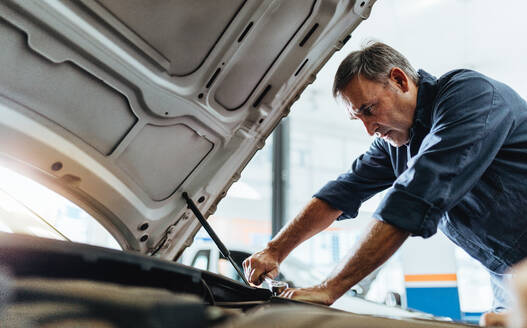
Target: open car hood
122 106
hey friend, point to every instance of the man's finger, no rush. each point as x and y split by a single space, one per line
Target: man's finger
254 277
246 267
245 270
272 274
251 274
288 293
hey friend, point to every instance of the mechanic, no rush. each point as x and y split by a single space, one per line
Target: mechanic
452 153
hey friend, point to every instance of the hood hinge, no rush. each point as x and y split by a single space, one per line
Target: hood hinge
169 237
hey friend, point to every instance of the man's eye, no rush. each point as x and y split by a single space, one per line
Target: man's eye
368 110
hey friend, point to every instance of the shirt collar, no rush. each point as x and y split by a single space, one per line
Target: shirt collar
426 93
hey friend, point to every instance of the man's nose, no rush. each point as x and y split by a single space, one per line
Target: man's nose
370 125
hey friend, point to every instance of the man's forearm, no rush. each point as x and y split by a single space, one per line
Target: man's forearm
380 242
315 217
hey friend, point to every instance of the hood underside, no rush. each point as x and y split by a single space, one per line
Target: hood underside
122 106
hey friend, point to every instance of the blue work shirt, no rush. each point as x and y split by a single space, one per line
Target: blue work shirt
463 170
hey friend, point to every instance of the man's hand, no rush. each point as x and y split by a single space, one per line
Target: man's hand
319 294
260 265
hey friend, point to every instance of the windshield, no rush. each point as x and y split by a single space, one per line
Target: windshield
30 208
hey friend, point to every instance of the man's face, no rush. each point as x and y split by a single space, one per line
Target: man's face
386 108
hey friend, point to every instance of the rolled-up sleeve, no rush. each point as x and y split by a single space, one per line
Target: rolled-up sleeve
370 173
468 129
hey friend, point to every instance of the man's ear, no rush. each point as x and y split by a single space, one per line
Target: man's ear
399 78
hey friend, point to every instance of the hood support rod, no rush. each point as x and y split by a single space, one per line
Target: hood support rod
224 251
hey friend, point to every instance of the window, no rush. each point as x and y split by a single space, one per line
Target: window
30 208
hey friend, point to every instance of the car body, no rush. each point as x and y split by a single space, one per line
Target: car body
204 255
124 106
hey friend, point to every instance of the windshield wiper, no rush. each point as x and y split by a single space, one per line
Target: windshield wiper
224 251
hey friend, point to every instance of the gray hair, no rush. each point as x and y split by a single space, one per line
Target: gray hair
374 62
